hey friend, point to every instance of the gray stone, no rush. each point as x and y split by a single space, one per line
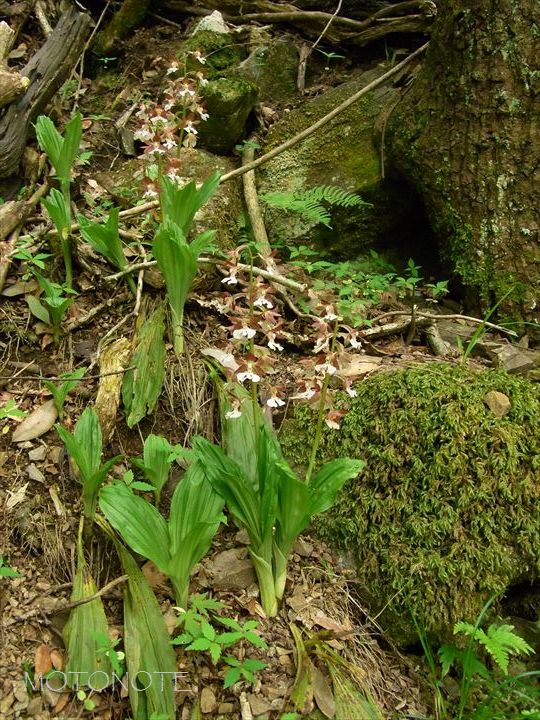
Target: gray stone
208 701
212 23
273 67
229 102
232 569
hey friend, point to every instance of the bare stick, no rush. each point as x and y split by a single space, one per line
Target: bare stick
75 603
468 318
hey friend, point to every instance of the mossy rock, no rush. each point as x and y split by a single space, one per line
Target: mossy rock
221 50
273 68
229 101
446 513
345 154
221 213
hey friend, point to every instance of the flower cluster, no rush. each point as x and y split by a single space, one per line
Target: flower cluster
258 331
173 122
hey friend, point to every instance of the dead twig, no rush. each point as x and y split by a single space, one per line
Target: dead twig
467 318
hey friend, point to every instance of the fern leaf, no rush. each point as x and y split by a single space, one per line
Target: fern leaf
501 642
333 196
308 203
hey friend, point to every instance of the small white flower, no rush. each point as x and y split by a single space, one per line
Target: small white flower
230 280
351 392
275 346
185 90
204 115
326 368
306 395
330 316
169 143
155 119
199 56
143 134
243 376
332 424
322 344
243 333
191 129
275 402
150 193
203 81
156 148
263 302
173 67
233 414
356 344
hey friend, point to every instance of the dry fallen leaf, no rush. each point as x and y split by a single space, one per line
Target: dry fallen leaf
42 660
322 692
16 497
37 423
57 659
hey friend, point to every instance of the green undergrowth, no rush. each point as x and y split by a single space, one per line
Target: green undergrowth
446 512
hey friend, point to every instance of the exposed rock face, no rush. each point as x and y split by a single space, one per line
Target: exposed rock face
344 154
446 513
273 67
229 102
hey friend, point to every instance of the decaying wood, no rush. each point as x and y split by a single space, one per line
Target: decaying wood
46 72
440 347
12 84
394 328
405 17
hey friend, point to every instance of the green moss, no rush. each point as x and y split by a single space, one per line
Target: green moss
229 102
129 16
220 50
446 513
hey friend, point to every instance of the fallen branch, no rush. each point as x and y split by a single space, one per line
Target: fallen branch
75 603
468 318
395 328
279 279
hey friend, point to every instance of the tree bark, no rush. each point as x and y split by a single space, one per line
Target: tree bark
467 135
46 71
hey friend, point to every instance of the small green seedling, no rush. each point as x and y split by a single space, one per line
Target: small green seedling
11 410
241 669
6 571
157 458
52 306
60 392
129 478
107 647
199 623
88 703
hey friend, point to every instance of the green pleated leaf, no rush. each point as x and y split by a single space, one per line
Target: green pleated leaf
181 204
230 482
146 642
325 484
156 462
138 522
86 623
55 205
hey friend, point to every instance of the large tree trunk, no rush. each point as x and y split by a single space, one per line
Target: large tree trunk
467 135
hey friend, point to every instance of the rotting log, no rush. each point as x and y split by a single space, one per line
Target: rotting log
46 71
12 84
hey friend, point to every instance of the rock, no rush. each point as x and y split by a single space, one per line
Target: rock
213 23
303 547
220 213
273 68
342 154
229 102
232 569
34 706
498 403
208 701
225 708
511 358
6 702
258 705
37 454
445 509
242 537
34 473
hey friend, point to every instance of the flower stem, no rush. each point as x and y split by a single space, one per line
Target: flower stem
320 413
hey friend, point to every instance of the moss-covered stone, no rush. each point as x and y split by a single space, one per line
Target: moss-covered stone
273 68
221 50
343 153
130 14
447 512
229 102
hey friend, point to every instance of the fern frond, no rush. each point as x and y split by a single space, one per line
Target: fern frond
500 642
333 196
309 202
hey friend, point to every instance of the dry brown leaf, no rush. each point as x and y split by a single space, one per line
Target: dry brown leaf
42 660
323 694
61 704
37 423
57 659
328 624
